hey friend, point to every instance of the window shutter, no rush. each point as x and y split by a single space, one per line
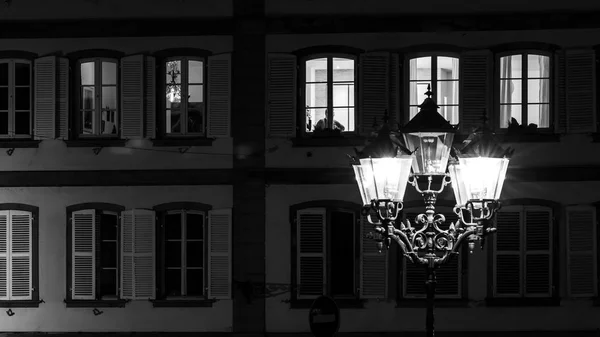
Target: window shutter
581 90
394 109
219 95
282 94
20 255
475 75
150 98
63 98
137 254
219 253
373 265
560 106
83 251
4 272
581 250
45 97
538 251
374 89
310 235
507 252
132 96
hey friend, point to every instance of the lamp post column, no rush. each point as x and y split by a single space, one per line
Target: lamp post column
430 285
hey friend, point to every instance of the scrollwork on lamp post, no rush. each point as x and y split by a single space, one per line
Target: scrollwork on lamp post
477 171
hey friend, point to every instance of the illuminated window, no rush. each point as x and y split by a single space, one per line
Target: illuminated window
98 94
185 103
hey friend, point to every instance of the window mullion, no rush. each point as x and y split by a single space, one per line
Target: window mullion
11 98
98 86
524 77
434 79
329 92
184 95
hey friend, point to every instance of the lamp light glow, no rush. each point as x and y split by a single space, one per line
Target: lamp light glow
383 178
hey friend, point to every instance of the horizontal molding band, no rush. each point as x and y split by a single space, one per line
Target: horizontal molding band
297 24
269 176
438 332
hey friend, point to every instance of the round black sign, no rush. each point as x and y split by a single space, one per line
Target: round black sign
324 317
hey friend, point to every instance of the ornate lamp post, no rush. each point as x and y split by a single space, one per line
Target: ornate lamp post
382 171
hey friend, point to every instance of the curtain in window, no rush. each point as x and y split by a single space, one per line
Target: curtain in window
544 92
454 115
506 89
414 91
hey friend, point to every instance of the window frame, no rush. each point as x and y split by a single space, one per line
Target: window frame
301 116
98 302
11 100
433 82
551 88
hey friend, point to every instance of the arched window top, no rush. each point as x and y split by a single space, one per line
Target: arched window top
18 55
95 53
327 50
179 205
520 47
327 204
181 52
96 205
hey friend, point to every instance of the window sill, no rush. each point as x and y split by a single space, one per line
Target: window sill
523 302
19 143
439 302
95 303
182 303
341 303
530 138
183 142
20 304
330 140
96 142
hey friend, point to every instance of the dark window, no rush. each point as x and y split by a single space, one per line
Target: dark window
98 98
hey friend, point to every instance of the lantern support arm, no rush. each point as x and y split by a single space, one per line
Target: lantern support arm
413 180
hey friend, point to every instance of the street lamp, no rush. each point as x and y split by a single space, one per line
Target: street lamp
382 172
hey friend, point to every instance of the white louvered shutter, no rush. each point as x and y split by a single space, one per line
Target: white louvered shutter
282 94
581 251
219 253
374 89
150 97
132 97
475 89
538 254
507 252
580 90
20 255
4 244
560 87
138 281
83 252
310 236
63 98
45 97
219 96
373 265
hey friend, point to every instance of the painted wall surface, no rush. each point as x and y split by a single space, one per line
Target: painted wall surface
53 316
337 7
137 154
379 316
82 9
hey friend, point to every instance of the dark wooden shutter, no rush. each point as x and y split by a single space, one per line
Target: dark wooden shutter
560 87
310 236
219 96
581 251
373 265
45 97
475 89
219 253
507 252
374 77
580 90
150 97
538 254
132 97
282 95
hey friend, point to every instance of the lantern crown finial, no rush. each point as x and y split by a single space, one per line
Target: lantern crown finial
428 118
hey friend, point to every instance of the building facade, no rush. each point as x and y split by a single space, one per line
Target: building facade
182 166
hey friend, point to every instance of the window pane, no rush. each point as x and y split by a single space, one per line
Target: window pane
343 95
539 114
88 122
447 92
173 94
195 253
3 98
538 66
174 119
173 226
195 282
108 252
447 68
109 98
88 98
417 92
173 254
538 91
22 122
22 74
87 73
195 118
511 66
194 226
313 116
507 112
109 122
420 68
450 113
108 227
3 73
510 91
173 282
342 254
196 93
173 74
316 95
196 72
108 282
109 73
316 70
412 111
343 70
3 122
343 119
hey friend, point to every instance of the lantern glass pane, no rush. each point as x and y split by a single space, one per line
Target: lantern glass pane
482 177
458 184
382 178
432 151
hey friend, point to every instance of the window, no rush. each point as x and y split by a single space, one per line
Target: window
441 72
15 98
523 252
184 91
525 89
329 90
98 98
94 248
